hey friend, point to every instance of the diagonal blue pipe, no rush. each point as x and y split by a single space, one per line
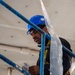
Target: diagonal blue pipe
68 51
20 16
0 1
23 18
13 64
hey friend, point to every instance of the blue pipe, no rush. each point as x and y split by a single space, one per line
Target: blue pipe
42 54
0 1
68 51
13 64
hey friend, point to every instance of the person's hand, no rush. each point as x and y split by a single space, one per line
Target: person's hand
34 70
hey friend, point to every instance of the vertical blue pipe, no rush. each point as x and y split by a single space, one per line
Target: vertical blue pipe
42 54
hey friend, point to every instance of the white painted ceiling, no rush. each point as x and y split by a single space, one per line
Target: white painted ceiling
19 47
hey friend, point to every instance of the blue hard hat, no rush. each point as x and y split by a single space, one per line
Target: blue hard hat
37 20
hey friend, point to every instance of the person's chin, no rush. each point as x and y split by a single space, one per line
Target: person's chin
37 42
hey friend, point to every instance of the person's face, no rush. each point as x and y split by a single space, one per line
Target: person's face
36 35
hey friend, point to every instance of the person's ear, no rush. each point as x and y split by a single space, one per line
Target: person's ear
45 29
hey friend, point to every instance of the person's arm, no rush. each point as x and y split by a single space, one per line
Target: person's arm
67 59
